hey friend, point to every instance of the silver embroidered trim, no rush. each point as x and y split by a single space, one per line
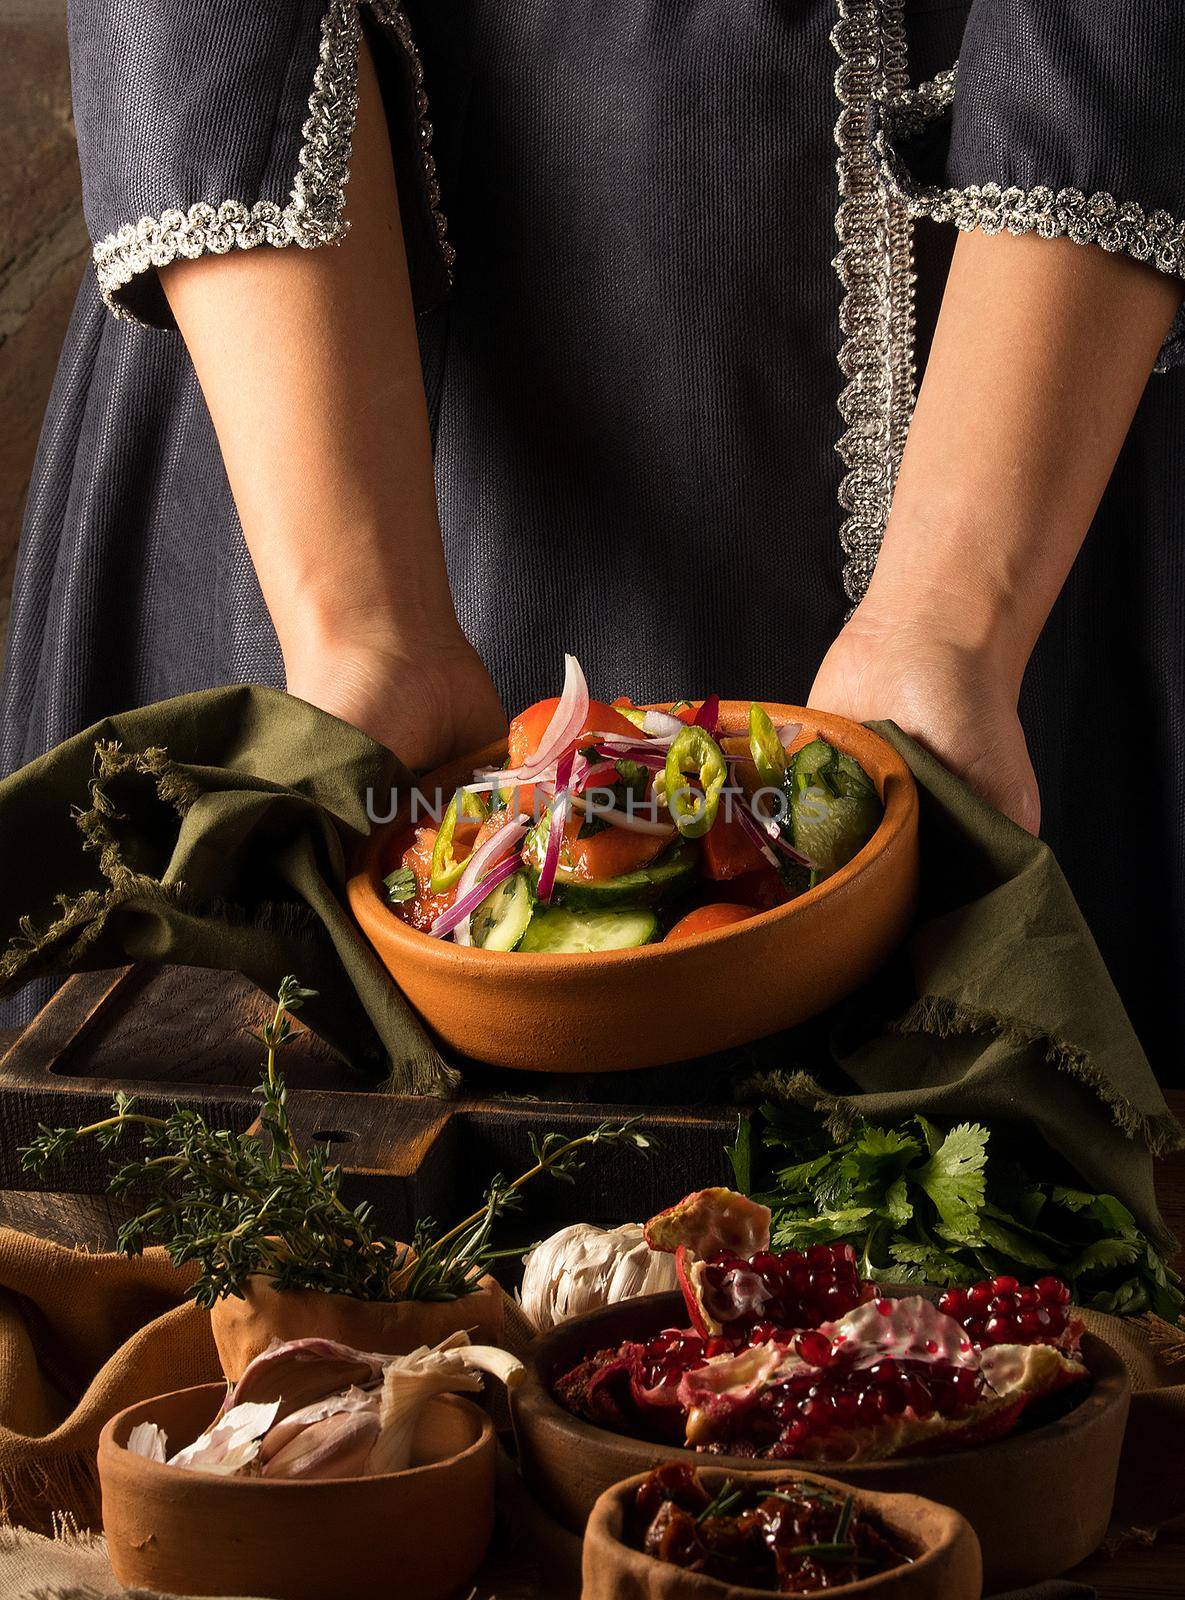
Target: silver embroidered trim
1120 227
393 15
314 213
913 110
876 272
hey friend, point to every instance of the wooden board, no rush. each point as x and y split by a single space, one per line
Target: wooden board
181 1035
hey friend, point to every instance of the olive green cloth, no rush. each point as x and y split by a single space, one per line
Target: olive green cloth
215 830
211 830
1000 1007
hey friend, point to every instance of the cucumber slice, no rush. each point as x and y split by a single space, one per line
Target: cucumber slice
560 930
502 918
673 870
834 807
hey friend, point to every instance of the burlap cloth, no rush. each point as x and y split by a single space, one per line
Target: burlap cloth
84 1335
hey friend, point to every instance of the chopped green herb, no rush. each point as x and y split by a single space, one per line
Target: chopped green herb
920 1203
400 885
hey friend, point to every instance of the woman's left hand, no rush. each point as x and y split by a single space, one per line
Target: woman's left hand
957 700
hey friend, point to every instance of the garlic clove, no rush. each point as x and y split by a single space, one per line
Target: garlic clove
351 1400
296 1373
232 1444
150 1440
337 1446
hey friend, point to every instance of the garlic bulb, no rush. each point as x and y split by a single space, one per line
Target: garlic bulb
317 1409
584 1267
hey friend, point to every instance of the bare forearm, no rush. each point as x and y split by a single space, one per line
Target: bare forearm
1042 351
309 365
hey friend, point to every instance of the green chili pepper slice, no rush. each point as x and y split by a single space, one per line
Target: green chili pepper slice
766 748
446 869
694 752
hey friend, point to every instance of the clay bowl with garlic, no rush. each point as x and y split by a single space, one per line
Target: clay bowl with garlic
1039 1499
616 1009
940 1550
174 1530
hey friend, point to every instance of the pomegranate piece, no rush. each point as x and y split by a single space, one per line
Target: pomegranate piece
710 1221
773 1378
1001 1311
735 1294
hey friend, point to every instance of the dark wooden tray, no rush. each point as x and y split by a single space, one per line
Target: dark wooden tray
183 1035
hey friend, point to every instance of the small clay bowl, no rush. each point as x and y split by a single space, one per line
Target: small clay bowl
944 1553
176 1531
243 1326
1039 1500
619 1009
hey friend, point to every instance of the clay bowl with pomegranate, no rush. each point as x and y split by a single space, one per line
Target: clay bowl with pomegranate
176 1531
942 1558
1039 1499
617 1009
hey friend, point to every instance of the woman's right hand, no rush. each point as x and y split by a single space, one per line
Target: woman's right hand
429 704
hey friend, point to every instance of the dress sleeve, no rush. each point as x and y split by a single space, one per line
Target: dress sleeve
211 125
1062 119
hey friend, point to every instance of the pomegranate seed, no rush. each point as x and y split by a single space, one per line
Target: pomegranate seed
894 1398
980 1297
819 1255
1000 1330
974 1327
1028 1299
814 1347
920 1399
1005 1285
954 1303
1053 1291
719 1347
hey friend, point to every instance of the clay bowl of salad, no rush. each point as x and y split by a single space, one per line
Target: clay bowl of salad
1014 1417
700 1533
626 886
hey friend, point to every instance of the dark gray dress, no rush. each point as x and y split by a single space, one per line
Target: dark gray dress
667 415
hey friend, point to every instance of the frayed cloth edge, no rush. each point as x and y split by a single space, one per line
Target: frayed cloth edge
945 1018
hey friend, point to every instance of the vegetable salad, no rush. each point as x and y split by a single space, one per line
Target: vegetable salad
612 827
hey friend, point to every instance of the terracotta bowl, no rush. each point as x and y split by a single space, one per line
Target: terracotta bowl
1039 1500
181 1532
618 1009
945 1561
244 1326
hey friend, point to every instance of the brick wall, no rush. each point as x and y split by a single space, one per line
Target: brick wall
43 244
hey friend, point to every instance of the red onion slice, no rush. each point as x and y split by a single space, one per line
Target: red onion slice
769 830
455 920
787 734
593 774
708 715
644 755
662 724
755 833
567 720
629 822
555 828
464 908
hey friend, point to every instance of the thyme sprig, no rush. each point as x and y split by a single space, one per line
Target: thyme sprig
237 1204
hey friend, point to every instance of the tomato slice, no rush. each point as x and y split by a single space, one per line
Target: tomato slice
422 911
728 851
706 919
530 725
609 853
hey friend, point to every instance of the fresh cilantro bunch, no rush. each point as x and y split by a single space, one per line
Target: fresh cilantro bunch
923 1204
